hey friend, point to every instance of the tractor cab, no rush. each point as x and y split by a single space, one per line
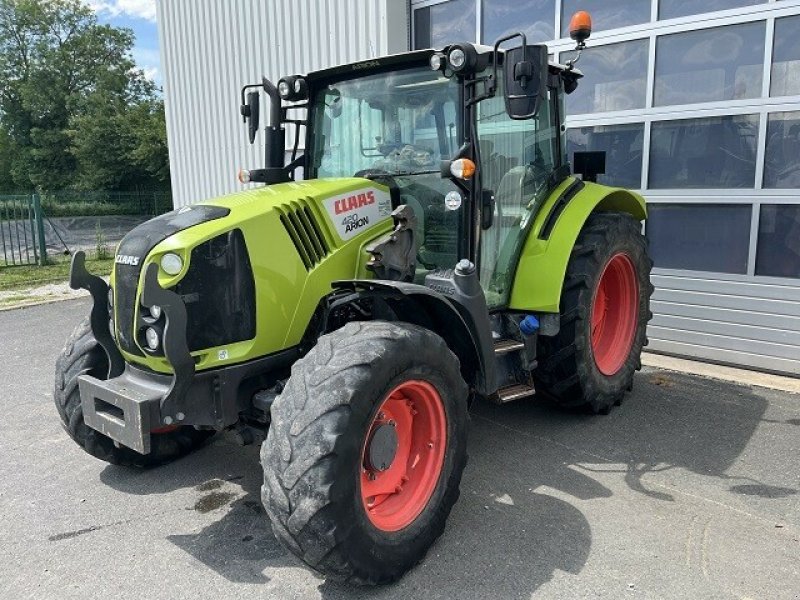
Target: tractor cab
469 138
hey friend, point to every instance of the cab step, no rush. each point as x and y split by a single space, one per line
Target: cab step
514 392
506 346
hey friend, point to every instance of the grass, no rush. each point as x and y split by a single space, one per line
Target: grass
26 277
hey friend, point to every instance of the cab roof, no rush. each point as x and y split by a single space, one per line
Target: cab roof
406 58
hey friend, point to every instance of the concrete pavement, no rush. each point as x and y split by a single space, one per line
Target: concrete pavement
691 490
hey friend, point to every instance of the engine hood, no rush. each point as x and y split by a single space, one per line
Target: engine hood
291 240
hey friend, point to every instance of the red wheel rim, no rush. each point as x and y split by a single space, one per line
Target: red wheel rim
396 495
165 429
615 311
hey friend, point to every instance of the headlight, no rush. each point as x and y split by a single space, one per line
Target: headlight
155 312
457 58
110 298
436 61
152 339
293 88
462 58
171 263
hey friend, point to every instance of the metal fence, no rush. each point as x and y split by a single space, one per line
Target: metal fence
24 218
22 230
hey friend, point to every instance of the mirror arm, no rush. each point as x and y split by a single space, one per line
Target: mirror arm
511 36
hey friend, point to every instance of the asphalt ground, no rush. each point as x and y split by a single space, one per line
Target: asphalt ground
689 490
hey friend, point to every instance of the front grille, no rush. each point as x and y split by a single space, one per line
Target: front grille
305 233
138 244
220 293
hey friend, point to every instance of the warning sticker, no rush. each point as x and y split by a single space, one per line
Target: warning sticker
357 211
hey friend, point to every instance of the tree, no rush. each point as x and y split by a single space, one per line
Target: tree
71 100
6 152
121 146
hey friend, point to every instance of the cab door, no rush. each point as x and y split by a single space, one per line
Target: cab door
518 158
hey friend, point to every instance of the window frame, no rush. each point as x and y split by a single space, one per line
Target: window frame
762 105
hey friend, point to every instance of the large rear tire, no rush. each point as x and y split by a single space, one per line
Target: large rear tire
364 455
605 308
83 355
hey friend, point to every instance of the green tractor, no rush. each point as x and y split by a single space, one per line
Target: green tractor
438 250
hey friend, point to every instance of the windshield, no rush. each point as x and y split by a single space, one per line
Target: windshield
400 122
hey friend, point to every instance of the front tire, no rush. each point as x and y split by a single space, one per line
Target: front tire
83 355
364 455
605 308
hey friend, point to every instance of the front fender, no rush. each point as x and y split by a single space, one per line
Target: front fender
546 252
427 308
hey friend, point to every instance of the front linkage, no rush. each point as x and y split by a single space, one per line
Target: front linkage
133 403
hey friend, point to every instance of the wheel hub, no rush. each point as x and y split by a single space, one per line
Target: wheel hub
382 447
403 455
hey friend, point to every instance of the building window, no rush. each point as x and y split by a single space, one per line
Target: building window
700 237
723 63
670 9
606 14
622 145
778 253
715 152
501 17
615 78
785 79
441 24
782 160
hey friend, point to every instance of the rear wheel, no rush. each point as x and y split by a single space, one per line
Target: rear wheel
83 355
605 307
364 455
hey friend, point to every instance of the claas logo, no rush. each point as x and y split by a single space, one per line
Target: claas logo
124 259
353 202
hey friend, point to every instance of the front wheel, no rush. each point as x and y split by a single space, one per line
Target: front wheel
605 307
364 456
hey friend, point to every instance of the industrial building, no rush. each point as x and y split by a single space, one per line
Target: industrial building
696 104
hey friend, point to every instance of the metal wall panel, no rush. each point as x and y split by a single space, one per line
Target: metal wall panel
728 321
210 48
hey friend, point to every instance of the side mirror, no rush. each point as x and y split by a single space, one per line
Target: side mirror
525 74
253 109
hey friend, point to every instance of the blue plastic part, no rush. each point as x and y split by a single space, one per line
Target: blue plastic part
529 325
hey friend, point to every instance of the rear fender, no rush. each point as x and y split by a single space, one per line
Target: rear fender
547 250
427 308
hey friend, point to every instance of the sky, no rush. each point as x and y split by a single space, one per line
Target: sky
140 16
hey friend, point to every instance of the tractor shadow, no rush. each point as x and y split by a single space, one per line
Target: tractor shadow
517 523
